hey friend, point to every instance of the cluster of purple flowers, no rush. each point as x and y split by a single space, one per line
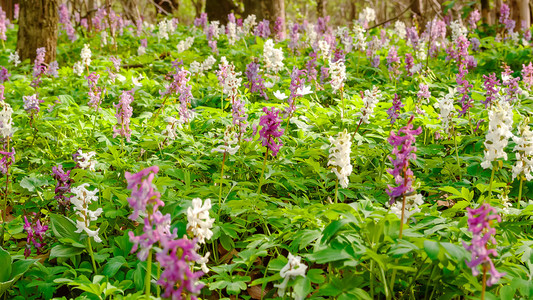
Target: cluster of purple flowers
510 83
201 21
479 223
176 255
256 83
270 133
263 29
4 21
527 75
279 33
394 110
310 65
64 19
297 83
35 237
294 36
403 150
4 75
123 115
8 158
393 63
240 117
32 104
491 84
95 92
39 68
505 14
63 185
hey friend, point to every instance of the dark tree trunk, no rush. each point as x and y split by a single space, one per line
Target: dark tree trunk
520 12
321 8
270 10
198 5
8 6
485 12
253 7
219 9
37 28
167 7
131 10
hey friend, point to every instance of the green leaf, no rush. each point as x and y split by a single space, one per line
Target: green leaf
63 227
315 276
5 262
113 265
64 251
432 249
328 255
330 231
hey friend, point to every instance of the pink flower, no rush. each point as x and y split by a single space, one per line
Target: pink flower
270 133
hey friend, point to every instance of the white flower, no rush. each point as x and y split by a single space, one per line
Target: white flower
14 58
6 122
248 24
185 44
367 15
524 152
359 40
77 68
198 220
163 30
232 33
230 139
500 125
103 36
81 200
312 36
338 74
272 57
170 131
370 99
195 67
305 90
141 50
458 30
291 270
399 28
203 260
281 96
230 80
411 206
324 48
86 161
86 55
339 157
446 111
208 63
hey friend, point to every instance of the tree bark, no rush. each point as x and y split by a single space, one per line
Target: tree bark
219 9
521 13
198 5
270 10
485 12
321 8
37 28
168 6
8 6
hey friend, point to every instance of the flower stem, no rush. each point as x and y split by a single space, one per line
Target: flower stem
148 279
403 216
262 172
342 102
520 190
221 180
491 180
91 254
484 284
457 153
336 189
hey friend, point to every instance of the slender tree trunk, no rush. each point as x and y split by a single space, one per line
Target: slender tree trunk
522 13
198 6
37 28
270 10
167 7
8 6
485 12
321 8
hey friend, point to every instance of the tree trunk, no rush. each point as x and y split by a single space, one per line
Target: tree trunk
219 9
321 8
521 13
485 12
198 5
166 7
37 28
8 6
131 10
270 10
253 7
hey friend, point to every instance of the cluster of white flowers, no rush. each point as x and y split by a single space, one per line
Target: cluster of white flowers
324 49
166 27
291 270
170 131
229 142
248 24
6 122
411 206
81 200
367 15
86 160
215 29
185 44
344 35
524 152
446 111
103 38
370 100
399 29
504 198
77 68
233 79
338 74
311 36
86 55
339 157
199 224
458 30
500 125
359 39
232 33
14 58
200 68
272 57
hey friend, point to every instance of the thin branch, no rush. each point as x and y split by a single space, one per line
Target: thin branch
398 16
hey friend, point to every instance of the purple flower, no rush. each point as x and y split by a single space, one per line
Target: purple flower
95 92
324 74
64 19
180 85
409 63
3 25
278 29
156 229
475 16
34 231
297 83
239 115
255 82
142 191
474 42
38 67
16 10
8 158
201 21
311 67
144 43
412 36
52 69
491 83
4 75
424 91
270 134
394 110
527 75
479 223
376 60
123 115
175 259
32 104
393 62
62 189
403 151
294 36
263 29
